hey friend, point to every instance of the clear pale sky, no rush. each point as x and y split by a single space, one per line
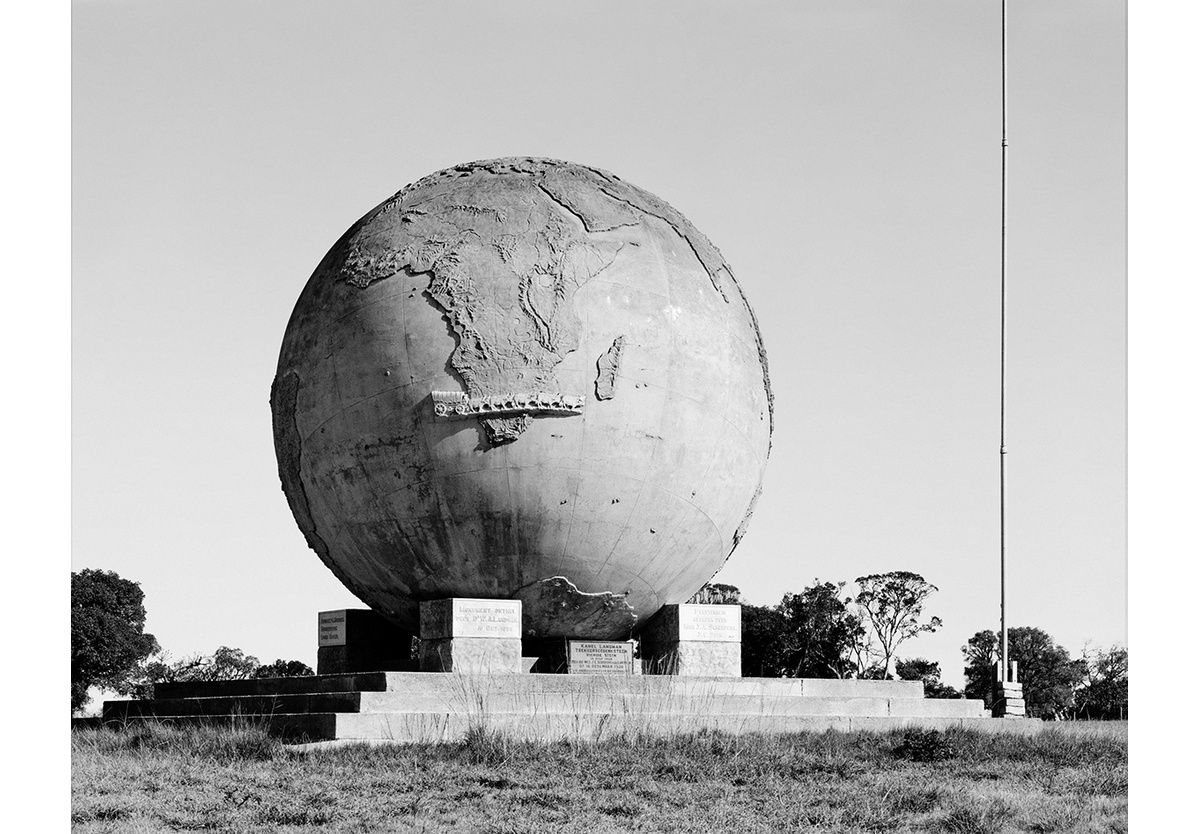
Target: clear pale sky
845 158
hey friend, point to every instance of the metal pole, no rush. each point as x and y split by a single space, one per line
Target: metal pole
1004 670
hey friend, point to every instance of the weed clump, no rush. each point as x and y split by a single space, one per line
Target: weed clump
484 746
924 746
243 741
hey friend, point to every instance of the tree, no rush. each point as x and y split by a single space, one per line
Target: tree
929 673
284 669
822 632
1104 694
222 665
892 604
717 593
227 664
108 638
810 634
1045 670
764 641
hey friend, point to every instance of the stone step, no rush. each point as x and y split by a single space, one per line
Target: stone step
362 682
432 727
247 705
626 703
340 727
423 699
433 682
291 727
490 685
593 703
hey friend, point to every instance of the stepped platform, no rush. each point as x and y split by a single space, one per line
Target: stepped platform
432 706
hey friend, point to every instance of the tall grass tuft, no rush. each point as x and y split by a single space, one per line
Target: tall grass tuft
483 745
243 740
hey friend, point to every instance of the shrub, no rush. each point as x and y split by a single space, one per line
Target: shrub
924 746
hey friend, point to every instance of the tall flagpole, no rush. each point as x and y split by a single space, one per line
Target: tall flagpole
1004 668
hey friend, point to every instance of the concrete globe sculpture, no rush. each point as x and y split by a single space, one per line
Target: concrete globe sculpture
523 379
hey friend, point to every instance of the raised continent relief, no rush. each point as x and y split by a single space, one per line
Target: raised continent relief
607 368
505 266
452 404
507 254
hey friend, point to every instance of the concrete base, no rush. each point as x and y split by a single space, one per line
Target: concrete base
1010 700
426 706
693 659
471 636
365 642
343 660
694 640
471 655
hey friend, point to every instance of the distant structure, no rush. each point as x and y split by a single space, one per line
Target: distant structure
523 379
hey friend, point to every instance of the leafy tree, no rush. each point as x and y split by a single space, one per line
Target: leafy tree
929 673
1045 670
822 632
228 664
222 665
981 656
717 593
108 640
810 634
892 604
284 669
1105 690
157 668
764 641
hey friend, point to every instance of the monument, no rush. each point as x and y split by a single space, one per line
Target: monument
523 379
522 410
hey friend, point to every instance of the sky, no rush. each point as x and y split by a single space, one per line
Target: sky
844 157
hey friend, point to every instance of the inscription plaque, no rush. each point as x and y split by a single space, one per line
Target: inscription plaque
331 628
710 623
599 657
460 617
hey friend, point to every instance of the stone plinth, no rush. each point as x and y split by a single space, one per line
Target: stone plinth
359 640
425 706
471 636
1010 700
601 657
703 640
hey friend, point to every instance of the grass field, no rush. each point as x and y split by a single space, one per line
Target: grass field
151 778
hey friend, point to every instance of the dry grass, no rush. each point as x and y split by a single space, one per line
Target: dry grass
1069 778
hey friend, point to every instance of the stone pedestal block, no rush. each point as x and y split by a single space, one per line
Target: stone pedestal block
1010 700
696 640
353 640
471 636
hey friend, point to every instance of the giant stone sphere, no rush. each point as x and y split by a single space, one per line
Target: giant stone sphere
523 378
